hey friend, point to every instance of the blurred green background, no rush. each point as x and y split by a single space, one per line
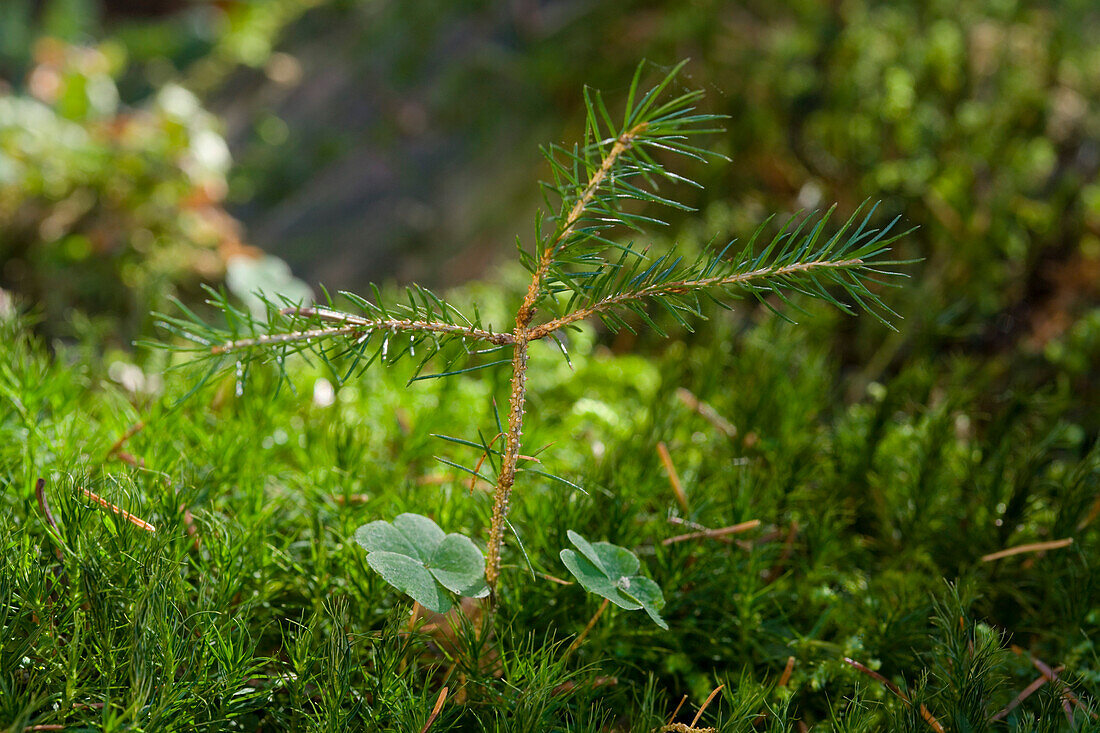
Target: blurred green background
144 146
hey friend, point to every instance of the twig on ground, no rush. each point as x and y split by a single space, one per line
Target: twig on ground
116 449
1032 547
924 711
713 533
786 676
591 623
435 711
1052 676
1024 694
136 521
707 412
673 477
706 704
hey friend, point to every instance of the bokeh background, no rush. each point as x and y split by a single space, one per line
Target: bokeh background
147 147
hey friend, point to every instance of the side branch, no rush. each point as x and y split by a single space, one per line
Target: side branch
683 286
363 327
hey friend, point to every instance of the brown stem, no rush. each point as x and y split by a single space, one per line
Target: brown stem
520 338
507 476
707 412
713 533
40 492
1024 694
673 477
136 521
677 710
569 225
131 432
1032 547
706 704
435 711
1052 676
786 676
924 711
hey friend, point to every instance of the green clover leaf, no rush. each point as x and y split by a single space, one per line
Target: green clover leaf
611 571
415 556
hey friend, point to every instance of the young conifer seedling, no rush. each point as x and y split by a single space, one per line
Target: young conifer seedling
581 268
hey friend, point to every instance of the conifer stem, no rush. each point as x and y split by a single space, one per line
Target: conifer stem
520 338
507 476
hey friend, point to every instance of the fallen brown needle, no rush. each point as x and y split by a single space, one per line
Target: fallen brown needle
121 512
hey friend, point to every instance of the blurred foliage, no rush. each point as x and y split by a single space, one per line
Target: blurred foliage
103 207
109 204
204 39
978 120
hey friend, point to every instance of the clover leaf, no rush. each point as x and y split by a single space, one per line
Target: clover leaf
414 555
611 571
